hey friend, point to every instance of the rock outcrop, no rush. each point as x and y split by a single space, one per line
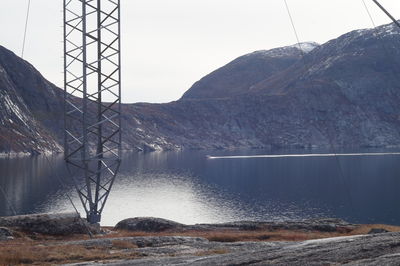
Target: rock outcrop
380 249
5 234
48 224
148 224
316 225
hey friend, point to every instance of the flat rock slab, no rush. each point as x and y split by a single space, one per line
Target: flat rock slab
321 225
48 224
141 242
150 224
379 249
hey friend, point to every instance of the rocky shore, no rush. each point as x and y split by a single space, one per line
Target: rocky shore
50 239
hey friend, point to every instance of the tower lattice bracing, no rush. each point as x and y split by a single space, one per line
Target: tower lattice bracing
92 99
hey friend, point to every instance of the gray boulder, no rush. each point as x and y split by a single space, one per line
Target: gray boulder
377 231
5 234
148 224
49 224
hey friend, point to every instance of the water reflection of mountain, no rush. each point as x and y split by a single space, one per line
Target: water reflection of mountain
29 181
189 188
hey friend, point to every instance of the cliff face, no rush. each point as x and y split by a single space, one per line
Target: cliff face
342 93
29 106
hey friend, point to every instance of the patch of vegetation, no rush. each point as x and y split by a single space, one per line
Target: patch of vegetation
22 252
211 252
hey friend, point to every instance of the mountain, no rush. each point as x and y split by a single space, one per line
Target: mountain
238 76
343 93
29 104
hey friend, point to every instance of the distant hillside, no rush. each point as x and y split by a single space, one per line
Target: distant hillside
343 93
237 77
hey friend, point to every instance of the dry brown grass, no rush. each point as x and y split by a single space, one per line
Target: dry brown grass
281 235
211 252
364 229
286 235
261 235
235 236
21 253
120 244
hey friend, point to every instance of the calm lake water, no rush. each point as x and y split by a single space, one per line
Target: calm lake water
190 188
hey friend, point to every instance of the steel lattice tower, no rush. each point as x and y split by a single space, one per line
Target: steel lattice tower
92 76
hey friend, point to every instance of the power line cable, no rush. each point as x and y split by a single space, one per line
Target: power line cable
384 46
26 28
387 13
382 43
369 13
294 28
341 170
8 201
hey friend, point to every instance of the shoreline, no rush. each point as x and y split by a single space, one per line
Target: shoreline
332 149
23 155
49 239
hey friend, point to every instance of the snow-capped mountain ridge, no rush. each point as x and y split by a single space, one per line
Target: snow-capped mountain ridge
343 93
306 47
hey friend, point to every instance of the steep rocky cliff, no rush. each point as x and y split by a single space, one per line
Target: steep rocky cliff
29 106
341 93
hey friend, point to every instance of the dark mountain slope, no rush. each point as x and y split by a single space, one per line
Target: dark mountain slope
359 70
30 115
362 63
238 76
344 93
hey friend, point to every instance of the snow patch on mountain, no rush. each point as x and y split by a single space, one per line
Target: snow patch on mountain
307 46
294 49
389 29
14 109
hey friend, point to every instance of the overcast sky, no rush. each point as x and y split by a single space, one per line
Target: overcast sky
170 44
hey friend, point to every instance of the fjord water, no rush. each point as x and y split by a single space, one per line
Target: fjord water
189 187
